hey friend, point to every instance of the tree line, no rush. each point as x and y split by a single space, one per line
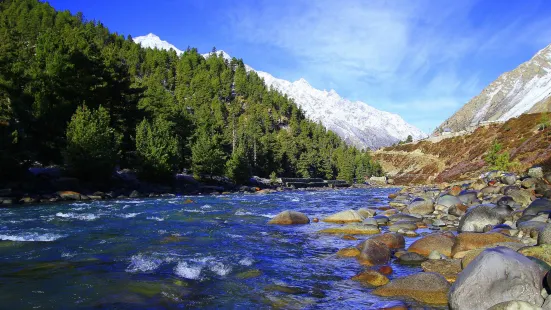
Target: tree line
72 93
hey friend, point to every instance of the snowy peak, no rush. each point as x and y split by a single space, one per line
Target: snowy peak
154 42
354 121
526 89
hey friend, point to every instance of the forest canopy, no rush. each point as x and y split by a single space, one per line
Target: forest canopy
72 93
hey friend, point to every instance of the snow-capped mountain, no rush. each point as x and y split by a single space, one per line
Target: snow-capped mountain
526 89
354 121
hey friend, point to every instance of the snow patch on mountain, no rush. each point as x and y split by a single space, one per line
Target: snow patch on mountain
354 121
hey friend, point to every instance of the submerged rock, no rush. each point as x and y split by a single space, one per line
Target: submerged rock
352 229
373 253
371 278
497 275
426 287
289 218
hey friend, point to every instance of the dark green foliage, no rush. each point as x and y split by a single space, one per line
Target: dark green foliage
92 145
238 168
207 156
498 160
192 111
157 149
409 139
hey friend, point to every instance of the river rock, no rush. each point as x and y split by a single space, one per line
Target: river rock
410 258
469 197
347 216
367 213
544 237
348 252
496 275
542 252
374 253
508 178
538 206
421 206
290 218
371 278
381 219
521 197
441 242
449 201
489 190
69 195
528 183
535 172
370 221
480 216
392 240
448 268
426 287
469 241
514 305
402 225
352 229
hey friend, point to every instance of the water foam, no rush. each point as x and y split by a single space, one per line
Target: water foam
31 237
155 218
129 215
184 270
220 269
246 261
140 263
83 217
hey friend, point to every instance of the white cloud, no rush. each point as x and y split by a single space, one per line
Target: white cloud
404 56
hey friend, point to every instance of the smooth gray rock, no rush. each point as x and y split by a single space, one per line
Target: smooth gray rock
514 305
497 275
449 201
479 217
508 179
421 206
469 197
536 172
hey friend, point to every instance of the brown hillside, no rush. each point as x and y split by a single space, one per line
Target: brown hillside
462 158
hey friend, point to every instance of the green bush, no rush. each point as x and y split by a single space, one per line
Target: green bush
158 150
238 168
498 160
544 121
92 145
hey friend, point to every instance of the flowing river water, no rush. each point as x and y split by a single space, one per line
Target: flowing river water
213 252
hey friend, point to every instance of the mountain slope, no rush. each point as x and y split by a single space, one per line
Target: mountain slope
525 89
354 121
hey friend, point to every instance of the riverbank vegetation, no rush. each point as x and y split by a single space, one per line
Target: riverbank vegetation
74 94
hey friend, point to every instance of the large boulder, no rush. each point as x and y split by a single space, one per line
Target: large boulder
426 287
70 195
469 241
392 240
373 253
480 216
515 305
347 216
289 218
538 206
441 242
495 276
421 206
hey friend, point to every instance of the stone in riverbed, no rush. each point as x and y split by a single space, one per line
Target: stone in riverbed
469 241
520 196
538 206
367 213
449 201
348 252
441 242
421 206
542 252
371 278
544 237
405 225
496 275
392 240
449 268
469 197
515 305
411 258
426 287
289 218
373 253
69 195
536 172
352 229
483 215
347 216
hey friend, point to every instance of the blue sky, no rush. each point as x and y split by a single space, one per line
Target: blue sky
422 59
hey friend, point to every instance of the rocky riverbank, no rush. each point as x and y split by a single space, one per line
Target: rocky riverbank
484 244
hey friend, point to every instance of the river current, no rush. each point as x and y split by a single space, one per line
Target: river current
214 252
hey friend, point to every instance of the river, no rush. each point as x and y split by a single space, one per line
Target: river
183 252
